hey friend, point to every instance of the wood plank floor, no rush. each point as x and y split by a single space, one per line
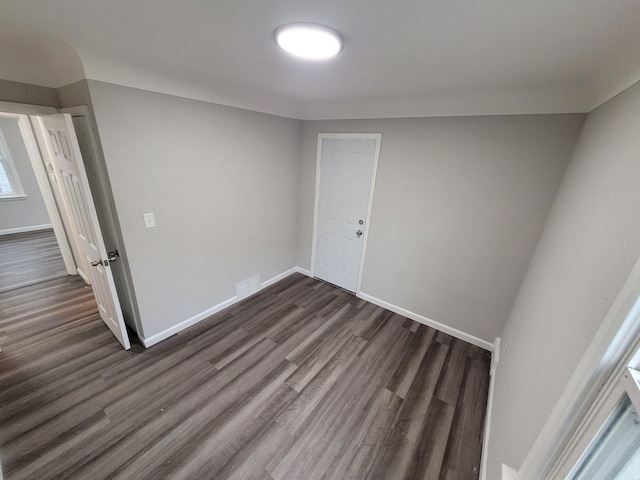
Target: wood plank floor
301 381
29 258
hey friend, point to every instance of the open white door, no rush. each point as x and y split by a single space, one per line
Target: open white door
62 148
81 265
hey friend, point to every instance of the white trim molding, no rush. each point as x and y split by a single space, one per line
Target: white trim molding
158 337
303 271
495 358
169 332
280 276
26 109
508 473
427 321
32 228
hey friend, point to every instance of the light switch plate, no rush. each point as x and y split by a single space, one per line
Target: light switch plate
149 220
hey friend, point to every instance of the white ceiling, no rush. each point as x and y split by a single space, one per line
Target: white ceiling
401 58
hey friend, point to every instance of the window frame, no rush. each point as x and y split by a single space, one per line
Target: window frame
10 170
596 383
596 420
615 386
605 452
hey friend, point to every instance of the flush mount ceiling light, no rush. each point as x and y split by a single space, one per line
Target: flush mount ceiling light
308 40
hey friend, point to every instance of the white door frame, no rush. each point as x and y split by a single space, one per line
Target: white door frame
25 109
8 110
345 136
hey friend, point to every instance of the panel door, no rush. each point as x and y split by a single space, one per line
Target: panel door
346 169
82 267
65 156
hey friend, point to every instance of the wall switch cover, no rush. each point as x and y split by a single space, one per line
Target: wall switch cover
149 220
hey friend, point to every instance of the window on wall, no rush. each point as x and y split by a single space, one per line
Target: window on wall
614 454
606 446
10 186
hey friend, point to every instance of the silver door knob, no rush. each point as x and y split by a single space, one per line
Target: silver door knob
359 233
95 263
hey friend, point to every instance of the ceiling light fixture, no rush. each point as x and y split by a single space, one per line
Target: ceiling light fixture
308 40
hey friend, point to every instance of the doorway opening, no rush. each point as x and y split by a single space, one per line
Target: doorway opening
29 250
52 149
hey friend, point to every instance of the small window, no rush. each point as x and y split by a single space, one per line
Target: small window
10 186
615 452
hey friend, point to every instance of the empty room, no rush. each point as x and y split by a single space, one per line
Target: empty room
319 240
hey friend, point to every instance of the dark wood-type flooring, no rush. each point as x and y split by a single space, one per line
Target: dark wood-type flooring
29 258
301 381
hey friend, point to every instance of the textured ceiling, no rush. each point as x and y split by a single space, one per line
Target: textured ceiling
402 58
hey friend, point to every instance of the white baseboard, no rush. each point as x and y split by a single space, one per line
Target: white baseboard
32 228
158 337
427 321
509 473
495 355
277 278
495 358
303 271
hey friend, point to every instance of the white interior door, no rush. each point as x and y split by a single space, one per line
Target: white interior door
64 153
82 266
346 171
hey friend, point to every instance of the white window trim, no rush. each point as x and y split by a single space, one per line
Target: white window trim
632 382
594 421
594 382
10 169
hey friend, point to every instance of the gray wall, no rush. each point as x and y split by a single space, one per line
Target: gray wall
586 252
222 183
75 94
21 212
459 205
25 93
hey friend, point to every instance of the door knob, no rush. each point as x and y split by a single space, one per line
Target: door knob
359 233
111 257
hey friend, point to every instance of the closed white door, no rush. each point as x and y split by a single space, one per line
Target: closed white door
64 153
346 170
